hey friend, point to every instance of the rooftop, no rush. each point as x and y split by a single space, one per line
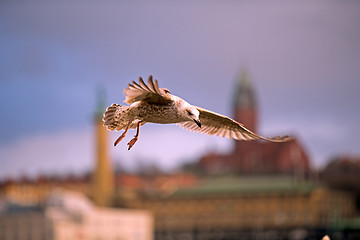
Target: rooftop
244 186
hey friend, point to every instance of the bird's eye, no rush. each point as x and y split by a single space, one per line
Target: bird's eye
189 112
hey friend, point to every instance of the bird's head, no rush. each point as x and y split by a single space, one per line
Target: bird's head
193 114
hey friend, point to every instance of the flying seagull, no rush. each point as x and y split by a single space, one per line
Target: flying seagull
149 103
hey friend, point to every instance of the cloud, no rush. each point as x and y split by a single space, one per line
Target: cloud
323 138
73 150
166 145
57 152
302 57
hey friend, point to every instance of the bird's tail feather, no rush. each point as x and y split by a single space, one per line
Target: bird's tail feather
116 117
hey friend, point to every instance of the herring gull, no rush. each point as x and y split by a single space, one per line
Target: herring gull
149 103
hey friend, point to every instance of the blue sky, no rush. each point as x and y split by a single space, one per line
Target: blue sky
303 58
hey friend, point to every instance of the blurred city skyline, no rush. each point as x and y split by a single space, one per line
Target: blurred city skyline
302 58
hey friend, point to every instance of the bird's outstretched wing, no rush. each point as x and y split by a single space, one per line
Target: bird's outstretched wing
149 92
216 124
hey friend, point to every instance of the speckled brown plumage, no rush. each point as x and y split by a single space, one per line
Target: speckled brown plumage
149 103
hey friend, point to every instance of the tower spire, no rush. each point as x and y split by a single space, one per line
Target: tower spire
100 103
245 111
103 176
245 104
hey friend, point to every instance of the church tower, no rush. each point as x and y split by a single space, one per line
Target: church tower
103 176
246 112
245 104
255 157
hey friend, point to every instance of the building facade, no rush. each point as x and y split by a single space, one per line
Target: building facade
249 208
70 215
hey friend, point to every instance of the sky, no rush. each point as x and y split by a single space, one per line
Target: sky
303 58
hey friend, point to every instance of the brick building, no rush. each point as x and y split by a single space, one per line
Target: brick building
255 157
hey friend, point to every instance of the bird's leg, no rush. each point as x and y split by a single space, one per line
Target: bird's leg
123 134
133 141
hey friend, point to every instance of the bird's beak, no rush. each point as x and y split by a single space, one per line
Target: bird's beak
197 122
